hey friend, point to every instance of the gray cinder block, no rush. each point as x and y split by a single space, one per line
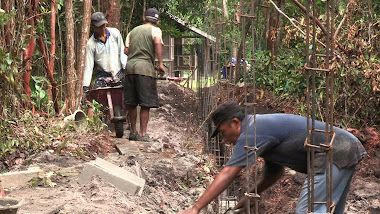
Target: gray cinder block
19 179
120 178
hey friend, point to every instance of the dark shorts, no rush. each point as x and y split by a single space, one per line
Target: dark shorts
141 90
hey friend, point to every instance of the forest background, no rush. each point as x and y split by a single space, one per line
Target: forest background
43 47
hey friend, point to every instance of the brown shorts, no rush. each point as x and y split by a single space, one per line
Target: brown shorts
141 90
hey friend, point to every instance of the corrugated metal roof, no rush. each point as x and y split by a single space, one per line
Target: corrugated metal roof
190 27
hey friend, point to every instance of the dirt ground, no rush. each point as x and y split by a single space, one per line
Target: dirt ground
174 167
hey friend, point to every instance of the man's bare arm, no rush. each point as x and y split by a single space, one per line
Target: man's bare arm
158 49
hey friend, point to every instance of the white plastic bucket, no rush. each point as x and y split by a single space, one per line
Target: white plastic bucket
78 119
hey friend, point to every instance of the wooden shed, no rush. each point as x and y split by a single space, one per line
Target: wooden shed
185 58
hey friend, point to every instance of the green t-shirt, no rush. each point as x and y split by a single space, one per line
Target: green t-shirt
141 53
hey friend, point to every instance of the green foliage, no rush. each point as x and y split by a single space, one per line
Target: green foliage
169 29
28 133
286 76
9 146
4 17
191 11
95 123
21 133
60 4
8 67
39 97
10 62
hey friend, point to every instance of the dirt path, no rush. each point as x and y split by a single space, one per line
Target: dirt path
161 169
165 163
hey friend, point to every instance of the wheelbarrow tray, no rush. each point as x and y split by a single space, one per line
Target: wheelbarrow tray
110 98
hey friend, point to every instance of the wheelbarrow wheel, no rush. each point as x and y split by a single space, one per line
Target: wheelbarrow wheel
119 129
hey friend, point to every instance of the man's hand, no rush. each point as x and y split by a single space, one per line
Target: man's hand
161 69
220 183
191 210
241 206
126 50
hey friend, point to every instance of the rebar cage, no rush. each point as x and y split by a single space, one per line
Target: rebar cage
243 28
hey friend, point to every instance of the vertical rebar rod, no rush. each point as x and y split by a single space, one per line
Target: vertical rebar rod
328 119
247 168
331 104
311 69
313 106
234 45
309 177
214 87
253 3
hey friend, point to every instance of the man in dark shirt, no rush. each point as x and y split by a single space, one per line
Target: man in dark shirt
280 141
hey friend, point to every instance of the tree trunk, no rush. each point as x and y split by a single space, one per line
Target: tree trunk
70 56
82 48
280 22
144 8
273 31
130 16
49 62
116 14
240 53
109 12
52 56
113 13
5 5
29 49
225 9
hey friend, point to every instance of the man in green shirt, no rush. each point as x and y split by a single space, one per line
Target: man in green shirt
143 44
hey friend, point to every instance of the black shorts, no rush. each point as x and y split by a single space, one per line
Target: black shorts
141 90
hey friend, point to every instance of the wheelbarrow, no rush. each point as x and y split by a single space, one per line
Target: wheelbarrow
112 100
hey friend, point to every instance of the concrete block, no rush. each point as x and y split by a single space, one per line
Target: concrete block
128 149
120 178
20 178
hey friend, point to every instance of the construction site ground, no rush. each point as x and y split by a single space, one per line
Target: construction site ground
175 168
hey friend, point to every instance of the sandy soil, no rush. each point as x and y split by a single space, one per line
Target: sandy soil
174 167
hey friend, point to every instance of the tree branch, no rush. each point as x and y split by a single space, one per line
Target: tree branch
343 19
319 24
294 24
